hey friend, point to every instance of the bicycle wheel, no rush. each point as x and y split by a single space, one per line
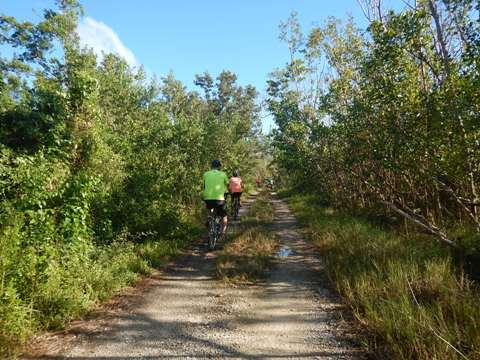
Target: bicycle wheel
236 208
219 228
212 233
217 231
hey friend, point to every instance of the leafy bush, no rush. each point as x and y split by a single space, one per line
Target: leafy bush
100 169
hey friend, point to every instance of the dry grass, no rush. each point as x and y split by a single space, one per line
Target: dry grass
248 253
246 257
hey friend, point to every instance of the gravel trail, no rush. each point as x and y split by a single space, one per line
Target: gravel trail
188 314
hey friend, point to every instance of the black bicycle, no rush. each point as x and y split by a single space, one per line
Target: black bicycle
235 207
214 228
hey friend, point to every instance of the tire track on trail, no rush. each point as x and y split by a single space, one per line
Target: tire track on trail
189 314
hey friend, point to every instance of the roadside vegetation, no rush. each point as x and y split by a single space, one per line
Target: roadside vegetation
247 254
380 126
406 292
100 168
386 119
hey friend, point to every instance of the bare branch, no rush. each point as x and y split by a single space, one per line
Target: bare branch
450 191
440 35
365 9
410 6
433 230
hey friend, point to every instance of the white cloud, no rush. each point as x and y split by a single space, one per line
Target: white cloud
101 38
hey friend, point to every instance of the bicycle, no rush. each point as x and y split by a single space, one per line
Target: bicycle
235 207
214 228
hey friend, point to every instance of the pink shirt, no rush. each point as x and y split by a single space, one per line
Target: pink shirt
235 184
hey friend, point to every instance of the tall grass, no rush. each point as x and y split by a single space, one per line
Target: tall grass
404 290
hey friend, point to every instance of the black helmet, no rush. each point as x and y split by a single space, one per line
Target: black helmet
216 164
236 173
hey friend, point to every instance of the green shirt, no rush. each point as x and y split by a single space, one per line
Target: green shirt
216 183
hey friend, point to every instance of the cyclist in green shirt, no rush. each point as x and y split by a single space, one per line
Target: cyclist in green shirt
215 185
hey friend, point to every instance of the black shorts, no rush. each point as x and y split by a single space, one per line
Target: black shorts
218 205
236 195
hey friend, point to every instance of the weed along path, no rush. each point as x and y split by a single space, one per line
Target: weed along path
187 313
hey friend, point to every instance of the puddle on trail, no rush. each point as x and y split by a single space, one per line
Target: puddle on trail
284 252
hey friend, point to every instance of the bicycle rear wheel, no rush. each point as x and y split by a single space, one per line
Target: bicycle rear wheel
214 232
236 208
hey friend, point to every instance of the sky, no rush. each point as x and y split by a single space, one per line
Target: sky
188 37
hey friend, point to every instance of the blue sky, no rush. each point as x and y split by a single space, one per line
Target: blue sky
191 36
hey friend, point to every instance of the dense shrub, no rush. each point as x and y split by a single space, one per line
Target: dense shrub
100 169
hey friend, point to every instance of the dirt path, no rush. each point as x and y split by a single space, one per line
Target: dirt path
188 314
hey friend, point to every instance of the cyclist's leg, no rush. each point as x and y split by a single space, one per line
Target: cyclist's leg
221 211
225 224
209 204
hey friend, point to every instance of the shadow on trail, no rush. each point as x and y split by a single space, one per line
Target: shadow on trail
147 335
316 355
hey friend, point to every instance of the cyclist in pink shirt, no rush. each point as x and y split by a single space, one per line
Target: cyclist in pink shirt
235 186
